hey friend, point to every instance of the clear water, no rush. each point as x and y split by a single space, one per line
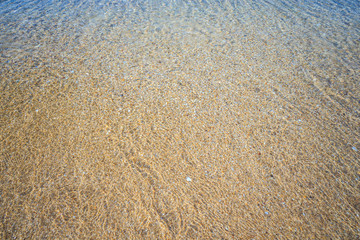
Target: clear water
319 39
290 67
303 51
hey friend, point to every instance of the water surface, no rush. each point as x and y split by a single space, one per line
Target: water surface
180 119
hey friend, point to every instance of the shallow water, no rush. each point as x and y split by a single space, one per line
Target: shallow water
319 39
222 111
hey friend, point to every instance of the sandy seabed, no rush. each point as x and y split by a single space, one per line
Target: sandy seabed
229 120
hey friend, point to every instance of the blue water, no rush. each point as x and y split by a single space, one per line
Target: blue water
319 39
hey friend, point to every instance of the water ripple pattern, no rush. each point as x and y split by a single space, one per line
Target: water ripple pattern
177 119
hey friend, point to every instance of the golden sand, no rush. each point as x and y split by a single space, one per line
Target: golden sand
208 129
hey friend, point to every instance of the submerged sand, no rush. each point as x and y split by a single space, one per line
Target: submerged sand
179 121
